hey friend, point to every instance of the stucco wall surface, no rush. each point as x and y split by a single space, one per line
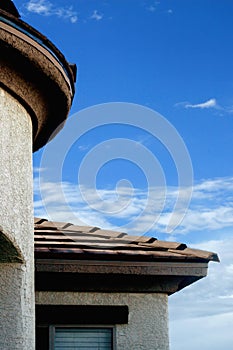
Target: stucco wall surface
16 221
147 328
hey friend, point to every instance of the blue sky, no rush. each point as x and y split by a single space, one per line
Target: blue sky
176 58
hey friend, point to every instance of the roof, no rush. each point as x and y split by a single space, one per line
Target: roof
9 7
88 259
40 74
60 240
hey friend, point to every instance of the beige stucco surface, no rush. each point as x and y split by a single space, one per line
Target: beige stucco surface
147 328
16 221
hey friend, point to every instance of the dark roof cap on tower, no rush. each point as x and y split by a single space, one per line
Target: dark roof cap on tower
8 6
36 73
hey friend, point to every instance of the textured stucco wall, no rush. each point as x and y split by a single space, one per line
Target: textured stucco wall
148 316
16 221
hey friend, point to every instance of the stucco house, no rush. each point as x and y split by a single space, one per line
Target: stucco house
109 285
88 288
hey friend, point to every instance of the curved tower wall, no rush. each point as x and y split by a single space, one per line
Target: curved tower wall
16 221
36 92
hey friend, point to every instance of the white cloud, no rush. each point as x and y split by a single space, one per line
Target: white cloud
138 210
154 7
151 8
47 8
83 148
96 15
211 207
204 311
41 7
207 104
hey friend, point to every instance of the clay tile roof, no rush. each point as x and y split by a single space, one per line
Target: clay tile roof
60 240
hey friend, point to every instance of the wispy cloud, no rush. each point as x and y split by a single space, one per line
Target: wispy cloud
155 7
47 8
83 148
97 15
138 210
151 8
209 104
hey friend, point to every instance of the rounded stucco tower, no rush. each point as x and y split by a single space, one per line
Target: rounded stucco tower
36 91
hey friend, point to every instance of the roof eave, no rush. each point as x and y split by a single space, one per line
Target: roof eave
117 276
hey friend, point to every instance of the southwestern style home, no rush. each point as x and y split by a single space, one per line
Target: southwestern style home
79 287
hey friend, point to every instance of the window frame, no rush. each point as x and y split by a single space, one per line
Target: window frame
95 326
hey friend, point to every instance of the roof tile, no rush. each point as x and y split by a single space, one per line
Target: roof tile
75 228
65 240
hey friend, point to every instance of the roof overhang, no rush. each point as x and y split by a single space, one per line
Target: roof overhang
116 276
88 259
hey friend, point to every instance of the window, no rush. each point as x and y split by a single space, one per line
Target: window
55 324
81 338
